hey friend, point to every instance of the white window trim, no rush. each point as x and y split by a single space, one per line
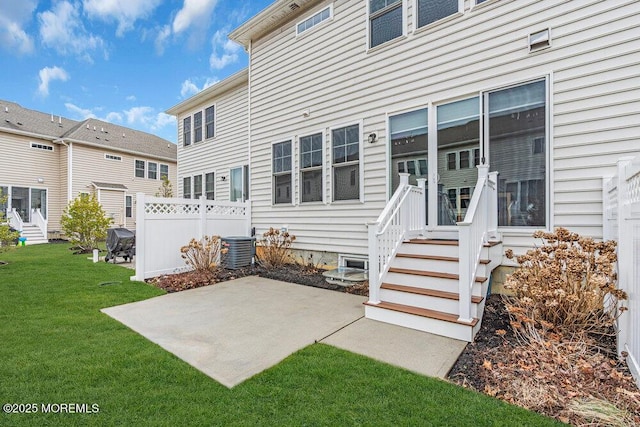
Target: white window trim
113 157
202 127
182 144
182 178
193 185
343 258
42 147
360 124
417 29
204 122
294 154
475 4
125 206
204 184
157 170
388 42
323 168
316 26
135 169
245 178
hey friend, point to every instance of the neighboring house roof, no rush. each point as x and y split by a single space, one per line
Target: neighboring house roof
237 79
16 119
108 186
271 18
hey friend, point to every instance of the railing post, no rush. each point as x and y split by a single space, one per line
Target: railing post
374 263
422 184
140 237
625 245
404 212
464 285
492 207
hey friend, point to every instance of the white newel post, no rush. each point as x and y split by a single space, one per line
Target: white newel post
405 213
422 184
465 275
140 237
492 207
374 263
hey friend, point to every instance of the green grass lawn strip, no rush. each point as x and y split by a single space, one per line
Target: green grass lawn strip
57 347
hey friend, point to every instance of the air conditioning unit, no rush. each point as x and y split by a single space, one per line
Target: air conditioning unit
241 252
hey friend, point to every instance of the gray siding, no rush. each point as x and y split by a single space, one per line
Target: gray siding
593 70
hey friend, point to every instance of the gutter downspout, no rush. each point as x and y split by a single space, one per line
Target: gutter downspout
248 177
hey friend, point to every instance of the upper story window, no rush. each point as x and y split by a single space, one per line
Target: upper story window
430 11
186 131
152 172
209 117
385 21
282 182
346 162
164 171
197 126
316 19
311 154
140 168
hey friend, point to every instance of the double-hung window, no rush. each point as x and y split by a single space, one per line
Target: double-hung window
209 118
346 162
385 21
430 11
152 172
164 171
186 131
140 168
282 182
311 168
197 186
209 186
128 206
197 126
186 187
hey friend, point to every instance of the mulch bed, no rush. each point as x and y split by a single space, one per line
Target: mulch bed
495 363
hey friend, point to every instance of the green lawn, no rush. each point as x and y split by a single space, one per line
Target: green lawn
56 347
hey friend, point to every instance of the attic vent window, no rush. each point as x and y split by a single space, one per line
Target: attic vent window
41 146
113 157
539 40
314 20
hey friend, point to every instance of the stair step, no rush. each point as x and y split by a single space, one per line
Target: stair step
428 292
431 274
436 258
434 242
423 312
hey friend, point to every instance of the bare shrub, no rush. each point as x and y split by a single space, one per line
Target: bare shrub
275 248
565 287
203 254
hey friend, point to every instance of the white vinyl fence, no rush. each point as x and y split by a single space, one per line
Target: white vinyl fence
621 202
164 225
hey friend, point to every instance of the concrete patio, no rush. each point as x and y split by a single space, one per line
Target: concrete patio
236 329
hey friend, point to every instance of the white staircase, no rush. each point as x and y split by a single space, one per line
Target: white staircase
33 235
420 289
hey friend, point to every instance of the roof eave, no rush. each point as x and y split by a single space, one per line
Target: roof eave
223 86
121 150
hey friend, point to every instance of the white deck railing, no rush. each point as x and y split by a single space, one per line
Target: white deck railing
404 217
621 209
15 220
38 220
164 225
480 223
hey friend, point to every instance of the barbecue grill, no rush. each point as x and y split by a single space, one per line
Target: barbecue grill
120 243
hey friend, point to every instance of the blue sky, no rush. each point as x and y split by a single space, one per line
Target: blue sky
122 61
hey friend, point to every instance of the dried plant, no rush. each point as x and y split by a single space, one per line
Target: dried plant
275 248
203 254
566 287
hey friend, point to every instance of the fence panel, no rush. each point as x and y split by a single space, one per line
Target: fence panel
164 225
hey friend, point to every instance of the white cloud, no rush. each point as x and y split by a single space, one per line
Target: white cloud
62 29
194 13
114 117
124 12
190 88
47 75
224 51
131 98
148 118
161 38
13 17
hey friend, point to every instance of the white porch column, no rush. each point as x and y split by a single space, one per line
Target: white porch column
374 263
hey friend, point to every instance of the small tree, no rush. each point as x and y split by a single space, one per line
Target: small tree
7 237
166 189
85 222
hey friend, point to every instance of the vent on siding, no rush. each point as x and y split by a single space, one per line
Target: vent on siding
539 40
293 6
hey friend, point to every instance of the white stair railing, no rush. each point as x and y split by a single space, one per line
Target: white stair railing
480 224
404 217
15 220
38 219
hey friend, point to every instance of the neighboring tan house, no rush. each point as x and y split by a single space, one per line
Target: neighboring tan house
344 95
48 160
